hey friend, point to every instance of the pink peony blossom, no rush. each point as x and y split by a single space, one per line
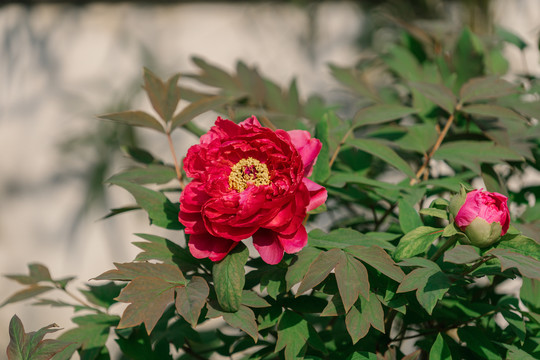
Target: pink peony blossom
249 181
483 217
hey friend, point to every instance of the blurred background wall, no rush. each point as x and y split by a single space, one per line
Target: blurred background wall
63 63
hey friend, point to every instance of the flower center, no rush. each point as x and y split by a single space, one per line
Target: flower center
247 172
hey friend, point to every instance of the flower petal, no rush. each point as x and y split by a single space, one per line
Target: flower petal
295 242
268 245
206 245
307 147
469 210
317 194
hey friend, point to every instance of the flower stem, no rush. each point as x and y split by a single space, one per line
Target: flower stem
477 265
435 147
176 165
335 154
449 243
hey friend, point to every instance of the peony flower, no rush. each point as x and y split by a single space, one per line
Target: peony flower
482 215
249 181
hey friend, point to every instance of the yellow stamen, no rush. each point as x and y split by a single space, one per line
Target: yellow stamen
247 172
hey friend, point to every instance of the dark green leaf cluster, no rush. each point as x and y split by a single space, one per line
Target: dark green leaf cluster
388 270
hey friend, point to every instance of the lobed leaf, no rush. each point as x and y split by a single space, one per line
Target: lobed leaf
379 259
243 318
298 269
319 269
163 96
352 280
526 265
148 297
364 314
439 94
430 284
31 346
294 334
191 298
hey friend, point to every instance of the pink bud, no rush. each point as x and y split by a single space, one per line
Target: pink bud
483 217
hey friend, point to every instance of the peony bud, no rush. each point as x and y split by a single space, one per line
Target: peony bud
482 215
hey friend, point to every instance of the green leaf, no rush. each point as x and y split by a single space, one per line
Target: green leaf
495 111
462 254
191 298
161 211
102 295
354 80
515 353
378 114
30 292
352 279
148 297
135 118
294 334
37 273
31 346
438 213
403 62
520 244
429 282
229 278
363 355
251 299
364 314
439 94
472 153
164 250
243 319
90 335
298 269
510 37
153 174
321 169
408 217
384 152
419 138
378 259
492 180
416 242
526 265
530 294
164 97
129 271
484 88
478 342
515 323
212 103
319 269
439 350
339 239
